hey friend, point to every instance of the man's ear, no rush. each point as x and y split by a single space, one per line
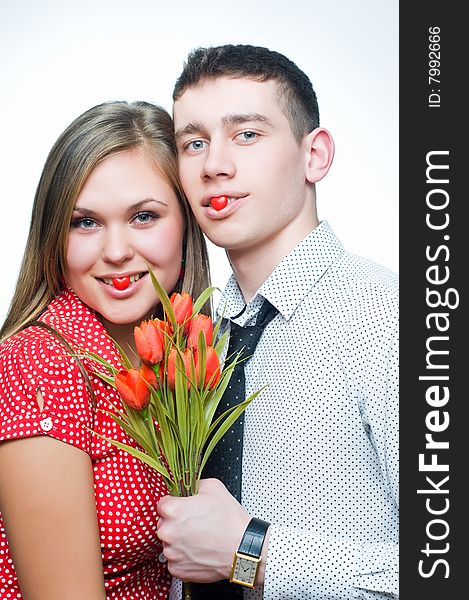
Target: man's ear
319 152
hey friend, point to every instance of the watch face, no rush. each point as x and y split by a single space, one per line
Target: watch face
244 571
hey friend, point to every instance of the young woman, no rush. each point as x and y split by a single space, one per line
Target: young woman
78 516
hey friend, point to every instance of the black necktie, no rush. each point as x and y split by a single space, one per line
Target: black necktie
225 462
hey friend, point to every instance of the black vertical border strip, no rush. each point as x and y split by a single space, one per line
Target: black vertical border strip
433 124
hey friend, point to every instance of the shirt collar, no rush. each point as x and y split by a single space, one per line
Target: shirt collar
291 280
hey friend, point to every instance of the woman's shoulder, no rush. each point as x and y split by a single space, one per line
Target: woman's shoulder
31 349
66 323
31 343
56 349
32 361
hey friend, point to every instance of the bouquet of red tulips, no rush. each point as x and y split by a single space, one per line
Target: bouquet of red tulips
169 402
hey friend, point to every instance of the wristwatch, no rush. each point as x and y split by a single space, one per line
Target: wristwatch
248 555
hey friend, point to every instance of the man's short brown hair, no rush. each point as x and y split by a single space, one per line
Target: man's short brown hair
295 91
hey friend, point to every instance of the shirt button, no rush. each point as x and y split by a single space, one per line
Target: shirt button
46 424
162 558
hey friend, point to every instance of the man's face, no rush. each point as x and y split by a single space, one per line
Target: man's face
234 140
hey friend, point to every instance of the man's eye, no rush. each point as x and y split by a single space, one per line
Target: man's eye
195 145
83 223
247 136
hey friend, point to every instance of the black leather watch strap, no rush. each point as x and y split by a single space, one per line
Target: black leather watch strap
253 538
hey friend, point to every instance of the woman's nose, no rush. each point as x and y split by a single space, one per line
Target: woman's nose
117 246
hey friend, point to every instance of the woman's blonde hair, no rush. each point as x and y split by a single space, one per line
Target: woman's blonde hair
96 134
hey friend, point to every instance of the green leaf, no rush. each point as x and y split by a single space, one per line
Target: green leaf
170 405
169 437
199 429
202 299
202 357
119 409
152 462
101 361
181 395
150 427
213 400
136 420
157 430
125 359
193 376
226 419
109 380
221 342
218 324
134 435
164 299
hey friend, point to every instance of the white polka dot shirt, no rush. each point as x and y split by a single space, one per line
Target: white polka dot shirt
320 458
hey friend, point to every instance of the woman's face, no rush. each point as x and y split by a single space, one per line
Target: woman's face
125 216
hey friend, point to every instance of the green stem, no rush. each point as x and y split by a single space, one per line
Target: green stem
187 590
147 419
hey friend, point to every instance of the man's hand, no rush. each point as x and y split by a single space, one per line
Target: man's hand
200 534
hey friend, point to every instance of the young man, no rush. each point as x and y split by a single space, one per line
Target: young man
320 446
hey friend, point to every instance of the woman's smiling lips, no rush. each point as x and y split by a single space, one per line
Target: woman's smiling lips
132 278
117 286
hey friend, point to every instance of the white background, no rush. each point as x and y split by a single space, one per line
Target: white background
60 57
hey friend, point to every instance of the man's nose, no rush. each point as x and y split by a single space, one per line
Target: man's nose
218 162
117 246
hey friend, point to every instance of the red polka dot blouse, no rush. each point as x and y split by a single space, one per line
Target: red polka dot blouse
127 490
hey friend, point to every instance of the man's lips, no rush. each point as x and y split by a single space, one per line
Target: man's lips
220 200
219 208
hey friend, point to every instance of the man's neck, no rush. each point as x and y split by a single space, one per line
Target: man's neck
253 266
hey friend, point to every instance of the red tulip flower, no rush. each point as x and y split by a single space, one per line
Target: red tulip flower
200 323
133 389
149 340
149 376
182 306
171 375
212 368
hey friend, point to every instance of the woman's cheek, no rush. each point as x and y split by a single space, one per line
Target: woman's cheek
82 254
165 249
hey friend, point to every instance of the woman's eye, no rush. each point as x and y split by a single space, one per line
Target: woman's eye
84 223
144 217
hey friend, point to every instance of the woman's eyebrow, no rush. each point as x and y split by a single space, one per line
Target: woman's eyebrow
142 203
133 207
85 211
